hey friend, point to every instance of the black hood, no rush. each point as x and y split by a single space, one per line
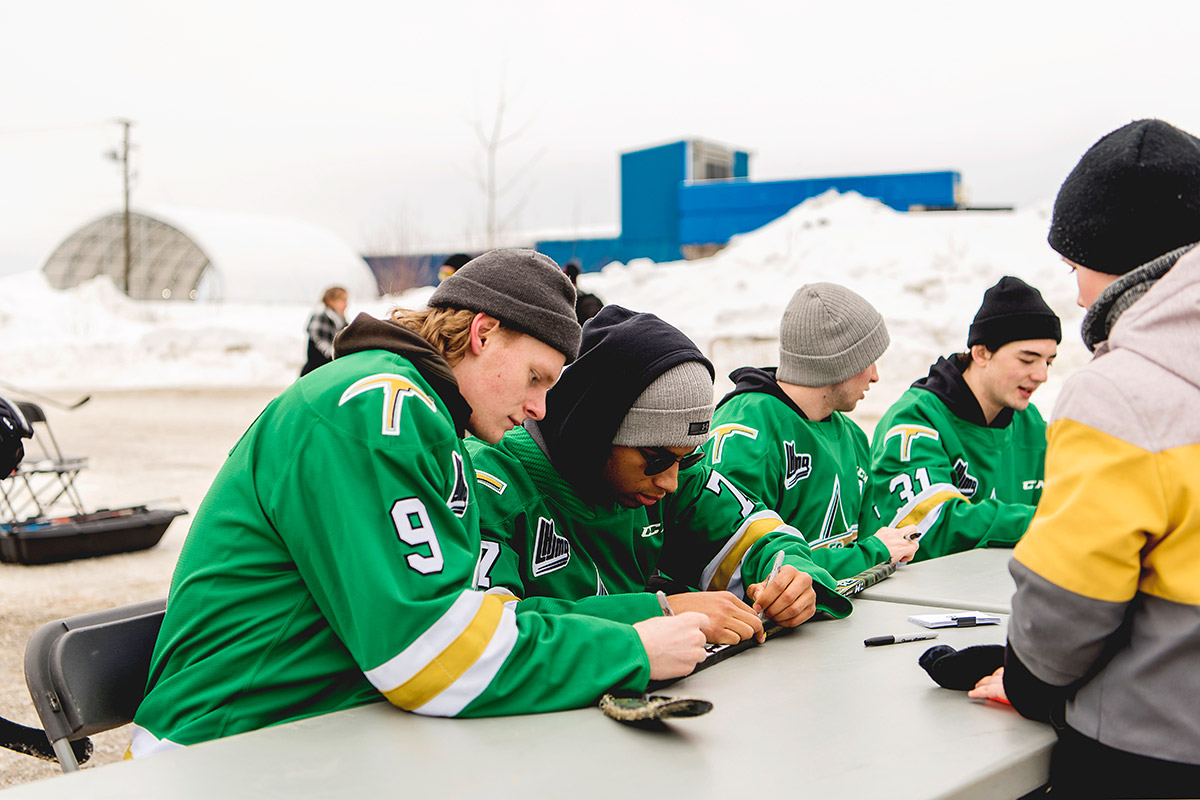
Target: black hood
621 354
945 379
761 380
368 333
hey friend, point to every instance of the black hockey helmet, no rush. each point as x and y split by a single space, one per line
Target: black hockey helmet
13 428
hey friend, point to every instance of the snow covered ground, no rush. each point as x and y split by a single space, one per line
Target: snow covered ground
925 272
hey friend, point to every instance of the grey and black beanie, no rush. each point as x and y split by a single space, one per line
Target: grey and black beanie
524 289
675 410
828 334
1134 196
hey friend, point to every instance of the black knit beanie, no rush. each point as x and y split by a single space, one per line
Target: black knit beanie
1013 310
1133 196
523 289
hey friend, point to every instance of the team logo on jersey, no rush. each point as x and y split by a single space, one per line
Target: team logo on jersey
491 481
835 531
797 466
550 551
1030 486
723 432
862 479
395 388
460 495
652 530
909 434
964 480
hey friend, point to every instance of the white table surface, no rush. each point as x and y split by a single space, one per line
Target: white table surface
976 580
812 714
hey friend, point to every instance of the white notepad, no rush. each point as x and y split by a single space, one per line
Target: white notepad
960 619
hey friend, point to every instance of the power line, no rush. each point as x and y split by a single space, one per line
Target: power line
42 130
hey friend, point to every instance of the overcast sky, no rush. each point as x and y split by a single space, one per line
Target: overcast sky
358 116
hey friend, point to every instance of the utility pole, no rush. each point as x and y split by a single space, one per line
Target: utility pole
123 157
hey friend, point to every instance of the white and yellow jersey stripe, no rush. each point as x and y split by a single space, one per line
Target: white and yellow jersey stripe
724 571
454 660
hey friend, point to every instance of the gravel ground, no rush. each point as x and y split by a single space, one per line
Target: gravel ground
160 448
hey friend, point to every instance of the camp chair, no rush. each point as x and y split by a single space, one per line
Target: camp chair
45 479
87 674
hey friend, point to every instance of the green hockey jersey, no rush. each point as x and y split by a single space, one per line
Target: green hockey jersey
813 473
963 483
561 554
331 564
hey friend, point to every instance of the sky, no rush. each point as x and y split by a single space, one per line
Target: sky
361 117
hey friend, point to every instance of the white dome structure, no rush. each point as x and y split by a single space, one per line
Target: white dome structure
189 254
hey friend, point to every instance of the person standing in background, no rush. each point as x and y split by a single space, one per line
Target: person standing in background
587 305
323 325
451 265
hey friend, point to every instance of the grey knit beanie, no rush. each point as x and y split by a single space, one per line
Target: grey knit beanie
523 289
675 410
828 334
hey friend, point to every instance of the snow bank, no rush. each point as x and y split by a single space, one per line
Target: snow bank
925 272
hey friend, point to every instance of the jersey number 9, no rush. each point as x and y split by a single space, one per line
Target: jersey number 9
414 527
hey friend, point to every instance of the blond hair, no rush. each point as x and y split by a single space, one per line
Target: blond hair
448 330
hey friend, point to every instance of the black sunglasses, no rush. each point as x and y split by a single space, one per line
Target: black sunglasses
659 459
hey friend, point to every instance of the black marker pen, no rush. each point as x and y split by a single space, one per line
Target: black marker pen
912 637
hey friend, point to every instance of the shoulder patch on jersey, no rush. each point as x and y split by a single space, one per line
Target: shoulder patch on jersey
395 388
797 466
460 495
909 434
966 483
491 481
723 432
550 551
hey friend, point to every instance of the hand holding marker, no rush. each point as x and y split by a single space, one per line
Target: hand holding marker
775 567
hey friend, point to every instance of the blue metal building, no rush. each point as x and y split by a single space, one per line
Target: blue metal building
698 194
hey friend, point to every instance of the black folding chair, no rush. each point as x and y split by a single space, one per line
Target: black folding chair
46 478
87 674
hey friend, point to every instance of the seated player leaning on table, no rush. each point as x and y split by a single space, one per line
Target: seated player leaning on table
581 509
331 563
1104 641
784 437
960 454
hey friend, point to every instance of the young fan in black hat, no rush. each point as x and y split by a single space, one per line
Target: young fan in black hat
960 454
1103 640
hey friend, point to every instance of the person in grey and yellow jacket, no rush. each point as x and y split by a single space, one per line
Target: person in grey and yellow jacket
1104 639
